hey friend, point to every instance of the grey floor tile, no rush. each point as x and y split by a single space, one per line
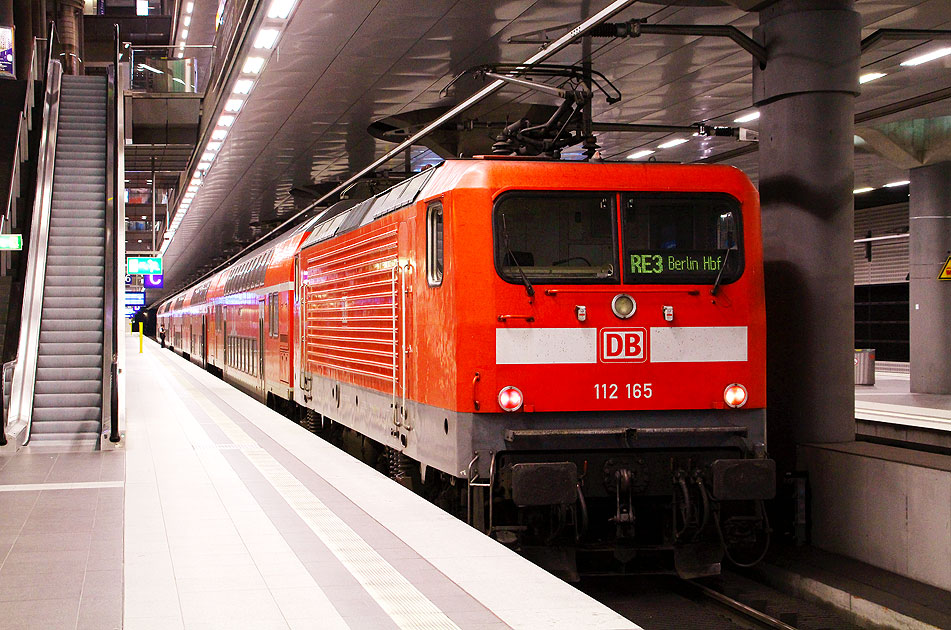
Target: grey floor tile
32 586
40 562
113 466
96 613
103 584
45 613
60 525
27 542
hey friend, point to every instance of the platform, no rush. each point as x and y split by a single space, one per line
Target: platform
890 401
235 517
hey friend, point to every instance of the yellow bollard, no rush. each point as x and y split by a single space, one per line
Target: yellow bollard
140 337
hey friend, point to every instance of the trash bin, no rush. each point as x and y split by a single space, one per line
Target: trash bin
865 366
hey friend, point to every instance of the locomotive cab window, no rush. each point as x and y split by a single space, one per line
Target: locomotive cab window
676 238
434 244
556 237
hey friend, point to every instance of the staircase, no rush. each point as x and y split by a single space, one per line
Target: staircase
67 402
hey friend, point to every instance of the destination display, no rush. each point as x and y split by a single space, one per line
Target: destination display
135 298
677 262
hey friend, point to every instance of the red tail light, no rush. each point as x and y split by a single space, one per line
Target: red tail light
510 398
734 395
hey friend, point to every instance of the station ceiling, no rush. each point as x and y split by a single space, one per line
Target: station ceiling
342 65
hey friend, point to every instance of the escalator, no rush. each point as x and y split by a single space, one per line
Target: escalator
63 384
67 401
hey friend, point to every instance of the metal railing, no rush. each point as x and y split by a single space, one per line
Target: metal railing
158 69
110 346
21 153
20 413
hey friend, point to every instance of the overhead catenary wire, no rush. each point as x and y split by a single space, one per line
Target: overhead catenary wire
548 51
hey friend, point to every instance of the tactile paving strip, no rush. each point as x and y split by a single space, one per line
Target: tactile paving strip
403 602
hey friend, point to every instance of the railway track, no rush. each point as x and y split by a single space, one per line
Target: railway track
727 602
762 619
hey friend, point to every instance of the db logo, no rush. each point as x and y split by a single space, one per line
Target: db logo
623 344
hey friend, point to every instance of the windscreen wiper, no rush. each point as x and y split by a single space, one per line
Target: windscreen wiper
529 289
716 284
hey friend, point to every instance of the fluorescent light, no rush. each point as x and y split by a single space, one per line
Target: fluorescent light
189 7
187 20
871 76
208 156
180 54
233 105
934 54
204 165
176 79
672 143
219 134
859 191
243 86
747 117
181 46
639 154
192 187
225 120
185 33
213 146
253 65
150 68
266 38
141 7
904 182
280 8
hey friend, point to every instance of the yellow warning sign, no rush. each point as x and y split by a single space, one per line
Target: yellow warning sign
945 270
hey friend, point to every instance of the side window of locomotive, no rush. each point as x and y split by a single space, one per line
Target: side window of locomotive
682 238
434 244
556 237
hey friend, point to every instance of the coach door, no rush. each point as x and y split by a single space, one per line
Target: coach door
204 338
262 316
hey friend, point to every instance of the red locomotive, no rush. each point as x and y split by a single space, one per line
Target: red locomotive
575 352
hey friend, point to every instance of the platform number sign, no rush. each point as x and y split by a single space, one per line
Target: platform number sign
143 266
945 270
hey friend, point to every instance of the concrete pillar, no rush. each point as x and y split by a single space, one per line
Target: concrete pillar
929 222
69 29
806 97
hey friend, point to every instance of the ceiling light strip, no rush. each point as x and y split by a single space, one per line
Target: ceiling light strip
266 38
549 51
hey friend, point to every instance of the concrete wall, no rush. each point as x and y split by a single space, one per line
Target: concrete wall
887 506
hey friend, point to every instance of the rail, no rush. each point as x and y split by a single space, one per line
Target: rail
20 412
110 324
8 220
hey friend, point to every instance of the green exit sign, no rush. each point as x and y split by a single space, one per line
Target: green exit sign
11 242
143 266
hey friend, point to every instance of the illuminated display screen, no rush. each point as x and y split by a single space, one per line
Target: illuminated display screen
135 298
680 262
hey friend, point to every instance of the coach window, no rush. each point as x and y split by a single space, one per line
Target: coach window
273 304
434 244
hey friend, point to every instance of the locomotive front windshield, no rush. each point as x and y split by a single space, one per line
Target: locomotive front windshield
678 238
670 238
557 237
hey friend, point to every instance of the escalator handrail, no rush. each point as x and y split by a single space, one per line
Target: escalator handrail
111 280
24 374
23 128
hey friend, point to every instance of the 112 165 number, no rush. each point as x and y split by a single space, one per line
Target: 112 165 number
613 391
